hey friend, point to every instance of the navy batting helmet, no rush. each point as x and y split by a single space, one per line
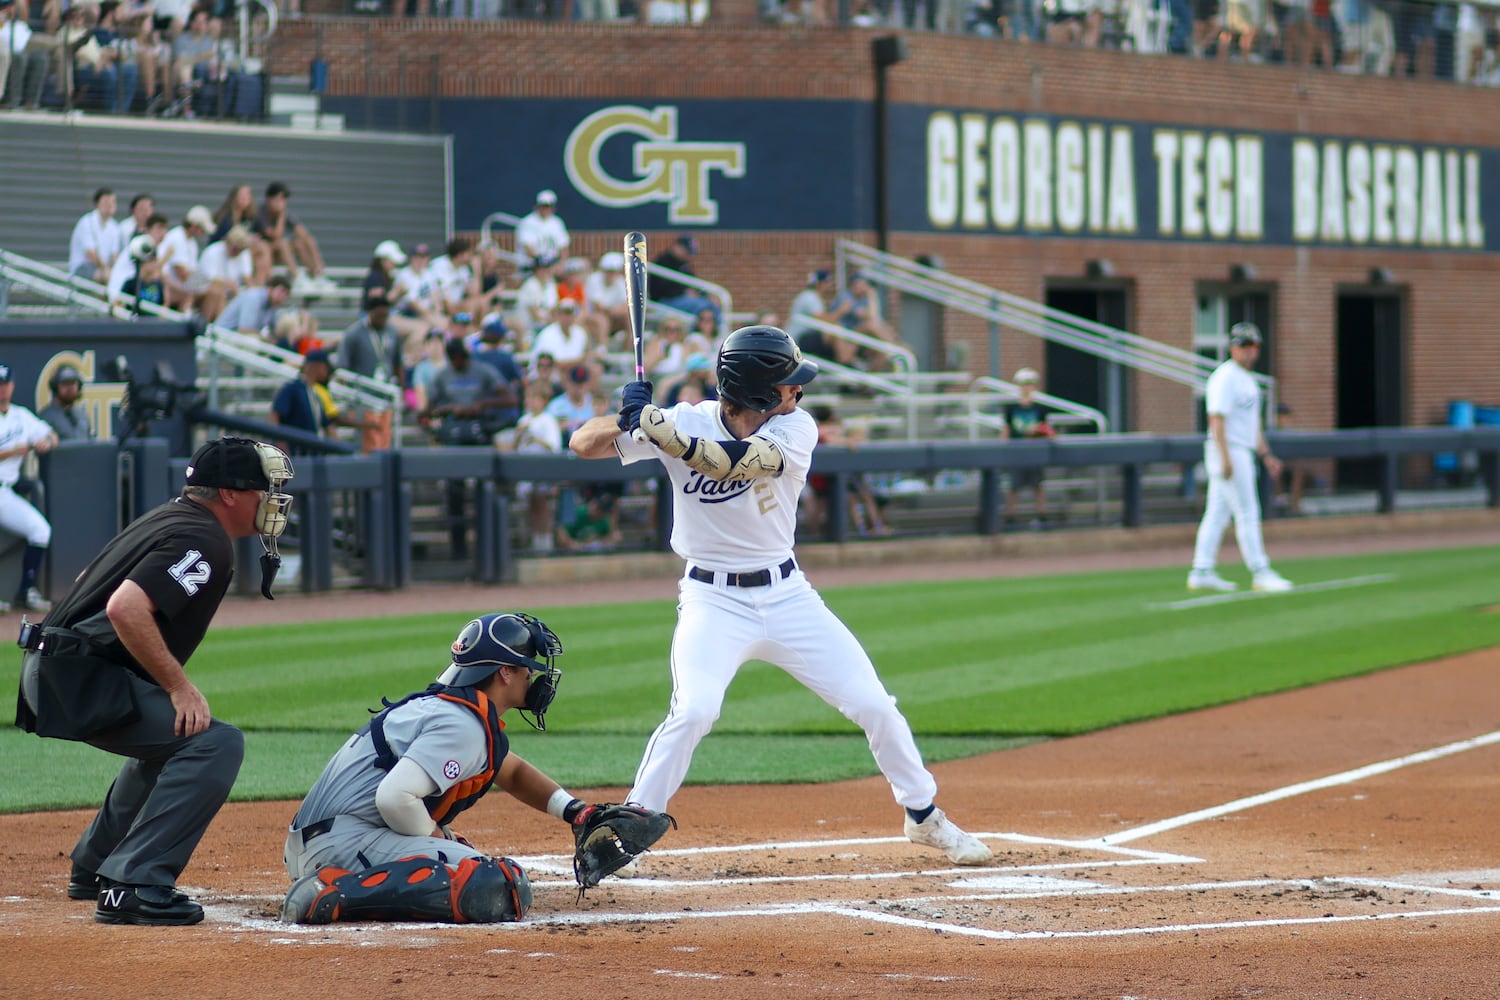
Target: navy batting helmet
754 361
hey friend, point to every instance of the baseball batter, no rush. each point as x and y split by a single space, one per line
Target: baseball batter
22 432
1235 438
372 840
737 467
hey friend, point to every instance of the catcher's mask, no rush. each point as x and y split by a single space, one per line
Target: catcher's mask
242 464
513 639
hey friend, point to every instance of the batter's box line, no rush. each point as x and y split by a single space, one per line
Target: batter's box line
562 864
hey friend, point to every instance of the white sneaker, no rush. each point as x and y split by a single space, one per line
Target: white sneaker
1207 579
33 601
632 870
938 831
1270 581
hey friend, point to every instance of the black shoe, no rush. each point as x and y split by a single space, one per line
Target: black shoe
151 905
83 884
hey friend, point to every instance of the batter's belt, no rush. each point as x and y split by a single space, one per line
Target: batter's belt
759 578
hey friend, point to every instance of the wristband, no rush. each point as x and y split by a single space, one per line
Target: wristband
559 802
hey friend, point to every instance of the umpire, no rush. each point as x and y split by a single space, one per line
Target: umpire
105 667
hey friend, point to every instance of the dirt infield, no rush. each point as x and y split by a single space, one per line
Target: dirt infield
1332 842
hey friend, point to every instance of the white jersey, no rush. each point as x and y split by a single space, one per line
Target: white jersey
732 527
217 264
448 282
1233 394
179 250
93 233
18 426
539 237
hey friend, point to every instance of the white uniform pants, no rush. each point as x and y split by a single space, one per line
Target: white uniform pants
20 518
1234 499
786 623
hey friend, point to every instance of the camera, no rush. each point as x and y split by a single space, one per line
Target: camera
157 399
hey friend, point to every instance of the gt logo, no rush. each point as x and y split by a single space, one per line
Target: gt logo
666 170
189 576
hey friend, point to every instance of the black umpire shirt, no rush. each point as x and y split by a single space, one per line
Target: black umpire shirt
179 555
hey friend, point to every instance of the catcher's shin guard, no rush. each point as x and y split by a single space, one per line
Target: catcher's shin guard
476 890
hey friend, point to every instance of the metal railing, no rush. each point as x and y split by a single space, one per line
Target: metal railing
1013 312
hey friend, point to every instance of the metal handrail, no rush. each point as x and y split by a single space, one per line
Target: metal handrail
1119 346
987 385
906 357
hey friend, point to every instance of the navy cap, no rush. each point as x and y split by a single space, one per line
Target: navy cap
4 373
318 354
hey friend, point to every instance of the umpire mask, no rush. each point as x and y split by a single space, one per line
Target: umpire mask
242 464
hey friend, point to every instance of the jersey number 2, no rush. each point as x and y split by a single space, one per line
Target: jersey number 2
191 577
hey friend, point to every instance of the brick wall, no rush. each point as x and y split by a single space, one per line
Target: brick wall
1449 297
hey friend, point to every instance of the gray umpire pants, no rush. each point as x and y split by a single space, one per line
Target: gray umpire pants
165 796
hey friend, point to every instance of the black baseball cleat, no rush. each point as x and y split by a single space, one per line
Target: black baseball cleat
149 905
83 884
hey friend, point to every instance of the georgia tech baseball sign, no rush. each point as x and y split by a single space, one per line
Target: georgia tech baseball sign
677 172
1039 176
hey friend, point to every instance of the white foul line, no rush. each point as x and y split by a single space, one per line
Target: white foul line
1248 595
1289 791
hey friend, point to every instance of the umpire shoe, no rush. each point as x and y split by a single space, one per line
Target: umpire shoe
83 884
937 830
149 905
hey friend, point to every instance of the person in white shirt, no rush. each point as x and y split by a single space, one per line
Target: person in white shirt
453 279
604 292
536 299
23 69
564 338
416 291
96 240
142 207
187 287
1235 438
541 233
125 264
229 263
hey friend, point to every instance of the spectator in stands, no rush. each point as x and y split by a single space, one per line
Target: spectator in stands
665 354
594 526
813 302
290 242
195 59
239 209
66 414
572 275
667 290
543 371
433 360
864 514
564 338
536 301
858 309
491 273
575 407
171 16
1026 419
1416 39
464 408
153 55
1206 25
695 384
387 261
541 232
140 248
117 71
704 334
453 279
254 310
188 288
306 404
296 330
227 264
604 293
23 65
415 293
461 327
142 207
96 240
536 433
371 346
492 351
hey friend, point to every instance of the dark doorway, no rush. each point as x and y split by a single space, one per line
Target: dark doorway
1370 369
1081 377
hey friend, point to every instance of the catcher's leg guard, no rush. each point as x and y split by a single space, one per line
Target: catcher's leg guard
477 890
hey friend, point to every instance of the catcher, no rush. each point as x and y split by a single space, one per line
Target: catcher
372 840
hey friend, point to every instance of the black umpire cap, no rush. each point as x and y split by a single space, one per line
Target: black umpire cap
228 463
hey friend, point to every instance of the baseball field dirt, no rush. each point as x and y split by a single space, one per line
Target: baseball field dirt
1333 842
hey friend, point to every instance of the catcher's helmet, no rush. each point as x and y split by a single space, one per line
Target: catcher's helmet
756 359
492 641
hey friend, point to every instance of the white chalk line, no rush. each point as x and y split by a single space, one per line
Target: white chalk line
1250 595
1302 788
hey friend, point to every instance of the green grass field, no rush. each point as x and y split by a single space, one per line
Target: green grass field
977 665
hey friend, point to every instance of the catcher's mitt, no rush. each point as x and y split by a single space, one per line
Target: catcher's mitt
609 836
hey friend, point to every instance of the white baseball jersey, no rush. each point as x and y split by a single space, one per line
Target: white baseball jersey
541 237
733 526
1232 393
451 283
18 426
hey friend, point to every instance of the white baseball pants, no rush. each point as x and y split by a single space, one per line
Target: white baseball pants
20 518
1236 499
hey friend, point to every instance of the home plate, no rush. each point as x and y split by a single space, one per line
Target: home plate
1023 883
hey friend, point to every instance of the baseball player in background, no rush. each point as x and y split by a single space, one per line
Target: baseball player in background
737 467
106 668
372 840
1235 438
21 433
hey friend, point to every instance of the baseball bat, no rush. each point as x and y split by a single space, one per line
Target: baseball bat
635 298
